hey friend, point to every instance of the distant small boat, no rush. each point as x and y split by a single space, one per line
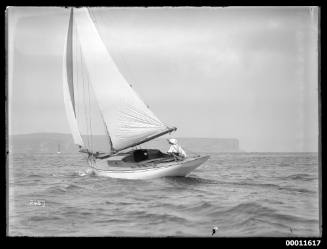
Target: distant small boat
98 99
58 151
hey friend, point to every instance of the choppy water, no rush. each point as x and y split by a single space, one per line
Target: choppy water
245 194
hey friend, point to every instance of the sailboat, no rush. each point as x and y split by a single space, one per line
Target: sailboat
58 151
99 100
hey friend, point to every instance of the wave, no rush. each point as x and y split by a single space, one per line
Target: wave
252 211
80 212
105 221
265 185
260 185
300 190
197 180
278 187
44 218
26 182
79 173
190 180
73 186
157 217
203 207
248 208
301 177
117 203
63 189
56 190
35 176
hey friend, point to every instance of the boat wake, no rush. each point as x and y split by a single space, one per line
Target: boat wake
85 172
189 180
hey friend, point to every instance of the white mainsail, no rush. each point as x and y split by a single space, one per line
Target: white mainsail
126 119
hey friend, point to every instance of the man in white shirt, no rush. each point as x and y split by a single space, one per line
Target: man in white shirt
175 149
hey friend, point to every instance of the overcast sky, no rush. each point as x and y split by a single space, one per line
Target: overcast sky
245 73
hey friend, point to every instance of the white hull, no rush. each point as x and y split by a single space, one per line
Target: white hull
177 168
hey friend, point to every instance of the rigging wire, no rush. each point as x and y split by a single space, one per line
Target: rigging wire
76 81
89 106
98 107
99 110
78 78
90 114
84 99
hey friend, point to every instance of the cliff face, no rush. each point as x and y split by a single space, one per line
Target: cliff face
49 143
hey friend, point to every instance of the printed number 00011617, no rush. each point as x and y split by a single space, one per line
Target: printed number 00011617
303 242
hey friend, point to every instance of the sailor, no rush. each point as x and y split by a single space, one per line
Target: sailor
214 229
175 149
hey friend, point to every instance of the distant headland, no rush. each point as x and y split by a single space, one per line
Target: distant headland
51 142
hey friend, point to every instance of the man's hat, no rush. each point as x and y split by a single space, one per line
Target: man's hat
172 141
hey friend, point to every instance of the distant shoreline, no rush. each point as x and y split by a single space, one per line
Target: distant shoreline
47 142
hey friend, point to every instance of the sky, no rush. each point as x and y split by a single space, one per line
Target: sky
249 73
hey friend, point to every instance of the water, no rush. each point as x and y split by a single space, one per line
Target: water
243 194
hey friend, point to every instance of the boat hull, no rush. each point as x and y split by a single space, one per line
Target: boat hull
176 168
